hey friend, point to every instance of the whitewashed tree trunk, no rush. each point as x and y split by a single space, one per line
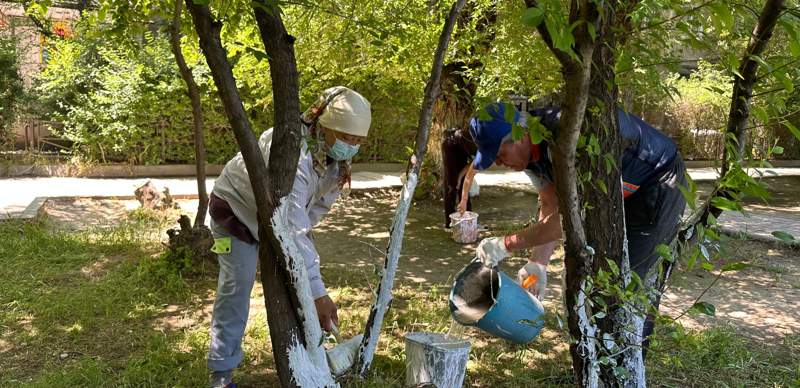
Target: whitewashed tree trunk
383 298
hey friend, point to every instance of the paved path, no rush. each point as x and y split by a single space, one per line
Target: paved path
18 194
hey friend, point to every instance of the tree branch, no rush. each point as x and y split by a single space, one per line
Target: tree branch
677 16
197 115
563 58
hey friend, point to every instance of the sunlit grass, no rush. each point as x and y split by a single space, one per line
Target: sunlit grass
86 309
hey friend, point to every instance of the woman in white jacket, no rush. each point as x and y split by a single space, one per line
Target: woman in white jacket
334 127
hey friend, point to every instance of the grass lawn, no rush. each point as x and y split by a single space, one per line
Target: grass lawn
101 308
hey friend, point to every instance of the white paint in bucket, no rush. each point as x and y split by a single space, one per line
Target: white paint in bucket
464 227
435 359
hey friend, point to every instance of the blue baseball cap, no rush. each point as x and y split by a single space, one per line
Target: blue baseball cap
489 134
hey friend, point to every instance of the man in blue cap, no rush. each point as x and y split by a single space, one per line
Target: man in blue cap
652 170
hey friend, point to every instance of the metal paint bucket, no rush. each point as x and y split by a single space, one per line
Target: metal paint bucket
435 359
464 227
493 302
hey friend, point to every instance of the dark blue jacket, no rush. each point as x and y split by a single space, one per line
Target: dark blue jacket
648 152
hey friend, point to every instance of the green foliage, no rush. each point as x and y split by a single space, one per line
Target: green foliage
127 102
702 308
11 89
785 237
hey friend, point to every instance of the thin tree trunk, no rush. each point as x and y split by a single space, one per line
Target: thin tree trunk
197 115
738 115
743 86
383 298
296 337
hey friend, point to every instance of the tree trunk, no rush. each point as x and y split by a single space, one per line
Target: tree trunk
455 106
383 297
579 256
743 86
736 130
605 225
295 334
197 115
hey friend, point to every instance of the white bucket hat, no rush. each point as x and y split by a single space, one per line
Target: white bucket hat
347 111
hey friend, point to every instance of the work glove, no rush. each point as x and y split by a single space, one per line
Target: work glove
535 285
491 251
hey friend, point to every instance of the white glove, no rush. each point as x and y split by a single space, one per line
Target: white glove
491 251
537 288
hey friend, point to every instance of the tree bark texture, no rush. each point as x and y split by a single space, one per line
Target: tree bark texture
578 254
197 115
455 105
736 129
605 221
743 86
287 318
458 85
383 297
284 154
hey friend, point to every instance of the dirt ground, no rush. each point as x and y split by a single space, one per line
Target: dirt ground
760 301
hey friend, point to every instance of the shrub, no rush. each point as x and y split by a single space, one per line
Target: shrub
11 87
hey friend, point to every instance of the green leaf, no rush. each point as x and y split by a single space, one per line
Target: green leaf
703 308
517 132
537 131
725 204
793 34
260 55
777 150
785 80
693 259
783 236
762 62
613 266
621 372
600 315
707 266
760 113
602 185
592 31
722 16
665 253
201 2
532 16
508 112
483 115
610 162
792 129
734 266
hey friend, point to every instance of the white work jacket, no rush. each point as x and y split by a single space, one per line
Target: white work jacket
311 198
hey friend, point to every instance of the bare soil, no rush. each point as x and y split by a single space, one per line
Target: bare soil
760 301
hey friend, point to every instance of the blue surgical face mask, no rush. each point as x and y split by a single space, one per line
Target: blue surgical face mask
342 151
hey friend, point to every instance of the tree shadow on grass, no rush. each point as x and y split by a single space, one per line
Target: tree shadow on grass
82 303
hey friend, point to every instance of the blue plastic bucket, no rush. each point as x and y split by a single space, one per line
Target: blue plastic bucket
493 302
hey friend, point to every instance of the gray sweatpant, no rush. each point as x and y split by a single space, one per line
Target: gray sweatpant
237 273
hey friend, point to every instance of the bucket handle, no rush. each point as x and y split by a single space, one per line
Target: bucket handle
460 220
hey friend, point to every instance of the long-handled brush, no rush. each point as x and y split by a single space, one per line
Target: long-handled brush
342 356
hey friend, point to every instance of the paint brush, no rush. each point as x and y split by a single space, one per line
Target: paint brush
342 356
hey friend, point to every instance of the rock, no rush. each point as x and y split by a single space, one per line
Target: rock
149 197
